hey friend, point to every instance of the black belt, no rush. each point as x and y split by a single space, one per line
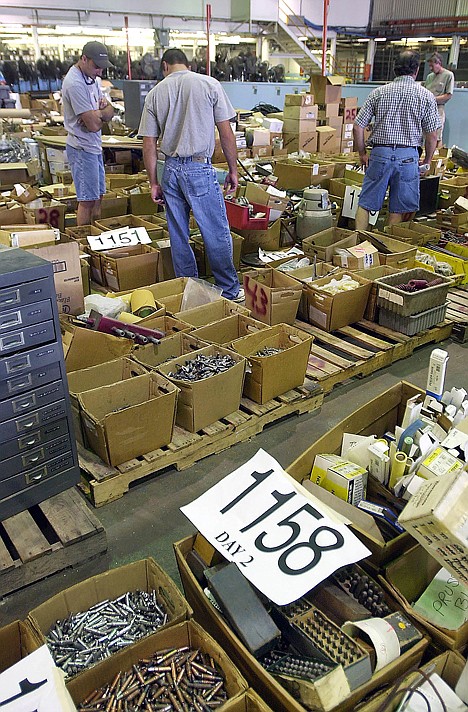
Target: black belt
391 145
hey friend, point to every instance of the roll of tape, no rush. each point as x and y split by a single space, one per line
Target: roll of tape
142 303
128 318
397 469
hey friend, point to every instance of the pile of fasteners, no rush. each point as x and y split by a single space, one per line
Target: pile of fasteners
172 680
269 351
202 367
85 638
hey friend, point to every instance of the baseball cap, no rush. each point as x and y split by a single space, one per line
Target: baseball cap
98 53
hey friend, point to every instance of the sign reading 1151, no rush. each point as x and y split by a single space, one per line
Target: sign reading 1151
282 539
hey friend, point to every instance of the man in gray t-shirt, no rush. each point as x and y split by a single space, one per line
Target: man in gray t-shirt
181 112
84 112
440 82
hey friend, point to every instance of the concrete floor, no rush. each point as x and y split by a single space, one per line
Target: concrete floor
147 520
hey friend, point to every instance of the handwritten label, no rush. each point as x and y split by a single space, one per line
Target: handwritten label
122 237
281 538
350 204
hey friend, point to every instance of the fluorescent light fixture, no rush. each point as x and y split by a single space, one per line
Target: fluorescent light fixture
364 40
380 39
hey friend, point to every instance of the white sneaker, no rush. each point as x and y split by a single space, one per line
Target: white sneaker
240 297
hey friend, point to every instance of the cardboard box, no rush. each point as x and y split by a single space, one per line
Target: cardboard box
26 194
326 139
323 244
263 682
87 379
326 90
188 634
11 214
81 232
305 125
11 173
331 312
49 212
454 187
250 702
407 589
84 347
304 275
270 376
298 174
113 205
328 110
139 199
212 311
298 99
65 258
300 113
376 417
28 236
260 151
227 330
349 113
125 268
304 141
178 344
16 642
201 403
257 136
360 257
348 102
163 292
114 223
115 417
272 297
141 575
335 122
392 252
269 239
342 478
436 517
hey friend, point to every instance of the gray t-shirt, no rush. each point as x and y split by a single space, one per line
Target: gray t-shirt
182 111
78 97
441 83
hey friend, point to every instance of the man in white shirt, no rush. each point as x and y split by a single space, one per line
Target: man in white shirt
440 82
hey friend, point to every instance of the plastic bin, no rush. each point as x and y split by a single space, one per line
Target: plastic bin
238 216
411 325
409 303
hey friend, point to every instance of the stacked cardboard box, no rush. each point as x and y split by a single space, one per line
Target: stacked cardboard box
300 123
348 112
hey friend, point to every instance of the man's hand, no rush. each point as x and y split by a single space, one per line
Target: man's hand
157 194
102 103
231 182
426 164
364 158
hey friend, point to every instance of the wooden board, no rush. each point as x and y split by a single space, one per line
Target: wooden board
457 309
361 349
49 537
102 483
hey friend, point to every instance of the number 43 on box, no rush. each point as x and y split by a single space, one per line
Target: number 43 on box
281 537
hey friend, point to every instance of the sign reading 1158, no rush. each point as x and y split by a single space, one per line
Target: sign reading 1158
282 539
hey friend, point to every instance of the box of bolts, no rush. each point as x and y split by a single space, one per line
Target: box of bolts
210 384
431 596
175 669
151 356
85 347
243 215
96 618
439 685
228 329
306 660
276 361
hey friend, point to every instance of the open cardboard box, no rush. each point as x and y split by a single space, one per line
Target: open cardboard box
213 311
188 634
85 347
270 376
249 702
116 417
269 239
227 330
407 589
115 223
171 347
393 253
16 642
301 173
333 311
125 268
323 244
279 699
201 403
203 264
272 296
375 418
142 575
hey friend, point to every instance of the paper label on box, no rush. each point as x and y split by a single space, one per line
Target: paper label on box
444 602
318 316
282 539
391 296
122 237
315 169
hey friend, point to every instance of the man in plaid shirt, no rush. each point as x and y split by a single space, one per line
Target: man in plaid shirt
402 111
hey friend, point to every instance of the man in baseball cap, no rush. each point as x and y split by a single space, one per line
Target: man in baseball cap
98 53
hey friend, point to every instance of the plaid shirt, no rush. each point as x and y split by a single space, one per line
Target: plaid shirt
402 110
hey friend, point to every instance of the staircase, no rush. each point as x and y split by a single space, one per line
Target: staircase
298 41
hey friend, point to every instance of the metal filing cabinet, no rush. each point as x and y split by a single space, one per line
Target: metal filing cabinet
37 445
135 92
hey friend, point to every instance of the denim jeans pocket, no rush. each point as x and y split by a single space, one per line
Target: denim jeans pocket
409 170
376 168
198 183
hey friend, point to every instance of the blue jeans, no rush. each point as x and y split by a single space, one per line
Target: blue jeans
88 175
396 169
186 185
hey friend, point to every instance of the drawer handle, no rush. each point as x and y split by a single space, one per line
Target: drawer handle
34 459
11 322
31 442
28 425
36 478
26 405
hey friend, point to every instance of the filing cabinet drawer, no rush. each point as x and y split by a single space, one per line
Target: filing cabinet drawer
27 293
39 377
27 402
27 337
26 423
39 474
25 316
32 458
38 492
19 364
40 436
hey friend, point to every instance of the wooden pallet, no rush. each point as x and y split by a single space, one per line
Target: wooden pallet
457 309
361 349
102 483
49 537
